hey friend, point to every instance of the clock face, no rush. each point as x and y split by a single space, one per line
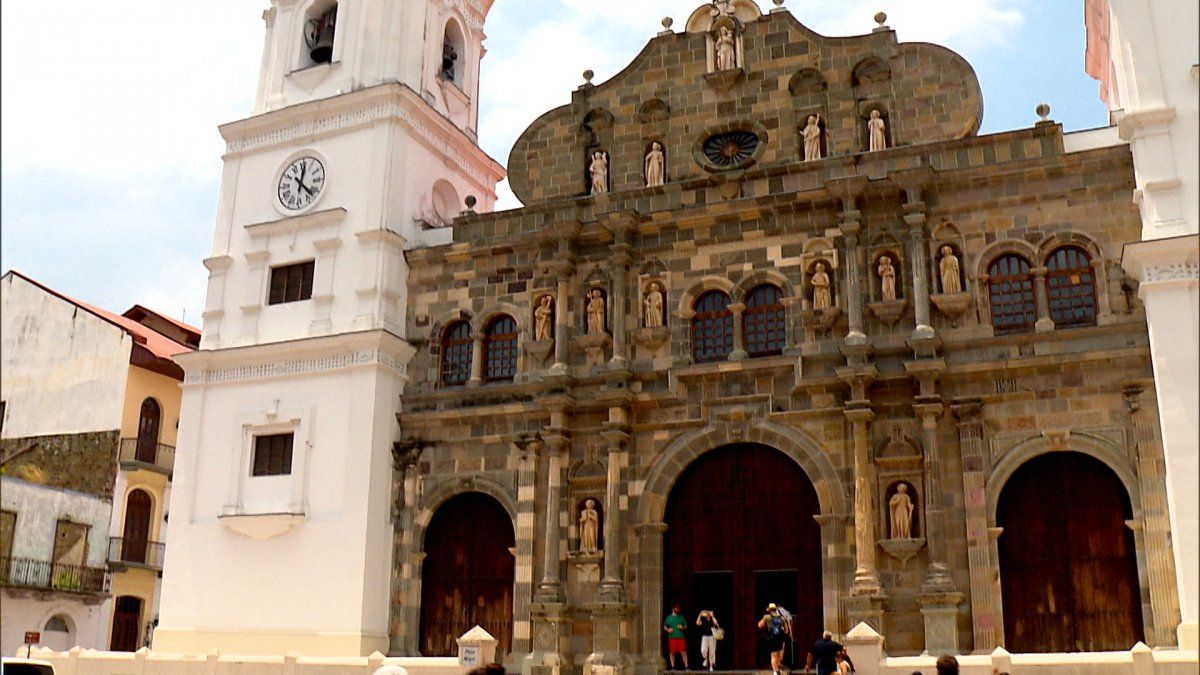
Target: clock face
301 182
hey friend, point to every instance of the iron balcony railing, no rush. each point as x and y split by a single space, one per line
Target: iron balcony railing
143 552
137 453
51 576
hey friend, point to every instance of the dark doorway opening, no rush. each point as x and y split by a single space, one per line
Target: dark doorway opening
741 534
467 576
127 620
136 534
1068 567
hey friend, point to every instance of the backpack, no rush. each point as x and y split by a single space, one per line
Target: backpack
775 627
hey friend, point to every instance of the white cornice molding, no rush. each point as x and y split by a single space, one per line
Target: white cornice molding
307 221
1158 262
1132 120
297 357
390 101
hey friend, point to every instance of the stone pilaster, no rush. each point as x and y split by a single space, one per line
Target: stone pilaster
1154 529
564 273
402 636
557 449
619 267
650 592
914 182
866 574
612 585
529 448
847 191
984 570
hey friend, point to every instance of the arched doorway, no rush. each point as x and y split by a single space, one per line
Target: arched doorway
1068 567
147 438
127 621
740 534
467 576
136 534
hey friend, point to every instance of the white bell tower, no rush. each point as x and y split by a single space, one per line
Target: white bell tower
361 145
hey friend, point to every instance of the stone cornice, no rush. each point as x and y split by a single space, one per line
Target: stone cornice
390 101
1163 261
296 357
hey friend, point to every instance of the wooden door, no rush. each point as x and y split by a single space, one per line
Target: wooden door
745 512
137 527
467 576
1068 569
127 620
147 438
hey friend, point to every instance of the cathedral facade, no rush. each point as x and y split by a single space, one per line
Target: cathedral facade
775 324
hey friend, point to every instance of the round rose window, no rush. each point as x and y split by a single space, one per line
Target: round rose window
730 149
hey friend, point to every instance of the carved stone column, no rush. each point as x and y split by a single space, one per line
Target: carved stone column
619 266
1154 533
528 448
476 359
564 272
402 636
612 585
914 182
985 610
866 575
851 279
739 336
650 591
557 448
1044 322
938 598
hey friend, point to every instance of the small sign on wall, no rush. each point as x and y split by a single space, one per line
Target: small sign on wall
32 637
468 656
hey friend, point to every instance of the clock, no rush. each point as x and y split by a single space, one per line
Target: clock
301 183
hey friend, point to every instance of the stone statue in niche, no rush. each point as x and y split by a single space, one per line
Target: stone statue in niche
726 49
653 305
656 165
595 312
951 272
901 507
887 278
543 319
821 297
589 527
812 138
877 130
599 172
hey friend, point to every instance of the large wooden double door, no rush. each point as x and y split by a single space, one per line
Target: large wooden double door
1068 568
467 576
741 534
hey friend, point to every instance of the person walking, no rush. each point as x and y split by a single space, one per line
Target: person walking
823 655
843 666
707 622
947 665
775 630
676 629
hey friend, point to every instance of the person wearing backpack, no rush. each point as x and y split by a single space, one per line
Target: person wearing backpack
775 629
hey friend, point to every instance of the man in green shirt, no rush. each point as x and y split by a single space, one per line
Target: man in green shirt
676 629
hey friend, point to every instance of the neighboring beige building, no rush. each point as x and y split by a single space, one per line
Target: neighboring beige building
90 408
1146 55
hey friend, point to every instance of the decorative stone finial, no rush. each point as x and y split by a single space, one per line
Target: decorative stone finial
667 22
778 3
470 201
1043 111
588 75
880 18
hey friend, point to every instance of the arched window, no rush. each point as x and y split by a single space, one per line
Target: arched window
712 327
1071 285
452 50
500 349
456 353
1010 286
148 424
136 534
763 321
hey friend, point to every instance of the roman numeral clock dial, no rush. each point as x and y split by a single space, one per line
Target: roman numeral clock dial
300 183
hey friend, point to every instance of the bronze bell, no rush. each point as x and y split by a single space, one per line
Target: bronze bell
320 37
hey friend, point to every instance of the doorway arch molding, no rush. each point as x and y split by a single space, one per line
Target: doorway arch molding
443 492
1085 443
688 447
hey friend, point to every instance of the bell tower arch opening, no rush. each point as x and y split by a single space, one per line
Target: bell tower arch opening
741 534
1068 566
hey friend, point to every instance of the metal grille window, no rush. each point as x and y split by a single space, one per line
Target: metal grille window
712 327
456 353
1010 285
500 349
1071 285
272 455
290 283
763 321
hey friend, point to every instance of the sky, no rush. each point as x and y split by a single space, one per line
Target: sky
110 157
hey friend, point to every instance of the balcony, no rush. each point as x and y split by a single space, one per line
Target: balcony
123 553
44 575
138 453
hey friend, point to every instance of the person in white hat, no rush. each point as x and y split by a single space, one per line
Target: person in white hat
775 628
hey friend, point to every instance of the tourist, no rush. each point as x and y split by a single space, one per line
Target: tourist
824 654
676 629
707 621
947 665
776 630
843 665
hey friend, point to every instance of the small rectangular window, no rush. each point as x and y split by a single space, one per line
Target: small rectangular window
273 455
290 283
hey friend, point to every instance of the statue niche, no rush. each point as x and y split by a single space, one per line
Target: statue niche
899 463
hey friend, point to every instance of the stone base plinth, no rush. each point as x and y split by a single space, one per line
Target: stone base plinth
940 611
